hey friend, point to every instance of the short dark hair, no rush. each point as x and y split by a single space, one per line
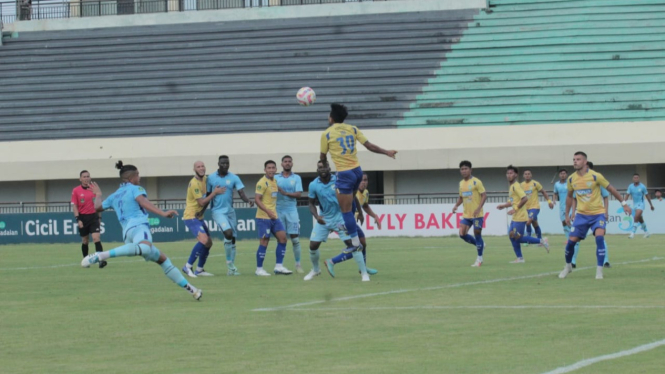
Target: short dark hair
589 164
222 156
338 112
83 171
657 191
124 169
636 174
513 168
525 170
287 156
560 170
465 163
580 153
265 164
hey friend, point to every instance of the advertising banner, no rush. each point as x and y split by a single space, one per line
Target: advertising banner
63 228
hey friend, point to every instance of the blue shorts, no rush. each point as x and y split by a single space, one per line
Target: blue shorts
197 226
348 181
141 233
266 227
477 223
517 228
291 221
583 224
638 206
533 214
320 232
226 220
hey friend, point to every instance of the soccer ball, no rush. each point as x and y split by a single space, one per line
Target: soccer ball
306 96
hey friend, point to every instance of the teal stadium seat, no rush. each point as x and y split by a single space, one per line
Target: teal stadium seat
548 61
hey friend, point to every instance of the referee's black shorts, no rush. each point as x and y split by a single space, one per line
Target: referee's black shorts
90 224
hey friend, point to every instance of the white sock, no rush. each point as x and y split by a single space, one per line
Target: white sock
103 256
199 269
480 258
355 241
189 266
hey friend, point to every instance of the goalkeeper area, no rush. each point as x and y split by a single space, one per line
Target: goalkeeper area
426 311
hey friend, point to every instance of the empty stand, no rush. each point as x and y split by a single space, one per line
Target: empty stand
548 61
220 77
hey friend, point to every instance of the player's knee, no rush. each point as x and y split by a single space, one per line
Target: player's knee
228 234
227 241
149 252
477 232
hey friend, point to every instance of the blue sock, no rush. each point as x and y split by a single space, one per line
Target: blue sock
342 257
314 257
203 257
570 251
528 230
517 248
260 256
296 249
173 273
480 244
358 257
196 251
228 251
607 253
350 224
539 233
469 239
280 253
600 250
529 239
127 250
577 250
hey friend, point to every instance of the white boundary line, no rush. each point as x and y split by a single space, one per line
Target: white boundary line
467 307
455 285
591 361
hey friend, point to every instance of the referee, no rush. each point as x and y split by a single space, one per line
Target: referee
86 215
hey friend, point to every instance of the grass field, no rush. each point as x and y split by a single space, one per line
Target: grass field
427 311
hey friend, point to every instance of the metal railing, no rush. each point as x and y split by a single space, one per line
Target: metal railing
166 204
26 10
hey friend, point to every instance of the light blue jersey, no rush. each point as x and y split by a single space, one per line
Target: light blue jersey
326 193
561 190
129 212
637 192
223 203
293 183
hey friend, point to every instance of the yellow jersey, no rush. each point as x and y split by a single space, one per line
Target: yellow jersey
470 192
341 141
515 195
196 190
531 190
268 190
363 198
587 192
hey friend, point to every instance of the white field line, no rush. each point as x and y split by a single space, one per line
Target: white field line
496 307
454 285
591 361
172 258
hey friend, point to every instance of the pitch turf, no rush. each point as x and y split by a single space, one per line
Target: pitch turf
427 311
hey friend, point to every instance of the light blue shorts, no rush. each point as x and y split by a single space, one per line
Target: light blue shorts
291 221
639 206
141 233
226 220
320 232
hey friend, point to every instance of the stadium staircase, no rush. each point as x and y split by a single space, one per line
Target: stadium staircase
551 61
219 77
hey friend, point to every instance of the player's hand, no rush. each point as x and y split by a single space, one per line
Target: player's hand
476 212
80 225
272 215
95 188
511 212
170 214
628 210
454 209
551 205
199 215
377 223
500 207
568 220
218 190
391 154
251 204
320 220
652 208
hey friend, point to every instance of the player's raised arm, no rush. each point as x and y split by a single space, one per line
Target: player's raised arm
376 149
150 207
98 196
